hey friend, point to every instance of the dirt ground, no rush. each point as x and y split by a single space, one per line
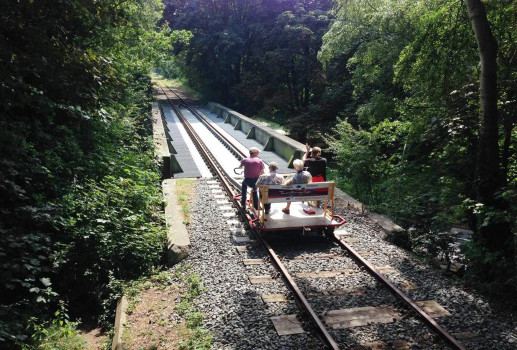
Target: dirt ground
94 337
154 324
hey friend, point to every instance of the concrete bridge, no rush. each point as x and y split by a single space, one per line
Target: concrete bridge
284 146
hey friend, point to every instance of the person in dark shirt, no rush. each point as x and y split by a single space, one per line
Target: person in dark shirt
316 165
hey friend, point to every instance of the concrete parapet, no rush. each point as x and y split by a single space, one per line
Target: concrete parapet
290 150
120 320
282 145
178 241
161 144
349 201
387 225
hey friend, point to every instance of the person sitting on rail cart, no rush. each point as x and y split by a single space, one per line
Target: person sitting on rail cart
253 168
270 179
301 177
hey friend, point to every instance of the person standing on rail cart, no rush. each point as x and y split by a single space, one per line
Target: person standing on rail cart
316 165
270 179
253 168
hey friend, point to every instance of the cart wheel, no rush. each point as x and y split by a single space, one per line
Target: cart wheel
328 232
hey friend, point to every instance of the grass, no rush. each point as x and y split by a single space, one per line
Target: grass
180 84
185 192
193 333
58 334
160 280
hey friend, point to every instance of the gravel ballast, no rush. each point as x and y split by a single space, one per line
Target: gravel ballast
239 319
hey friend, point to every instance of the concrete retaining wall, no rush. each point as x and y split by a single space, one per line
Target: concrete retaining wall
290 150
163 152
282 145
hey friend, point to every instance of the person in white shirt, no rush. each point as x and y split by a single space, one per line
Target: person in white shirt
270 179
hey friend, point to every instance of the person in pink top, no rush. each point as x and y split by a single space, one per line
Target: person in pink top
253 168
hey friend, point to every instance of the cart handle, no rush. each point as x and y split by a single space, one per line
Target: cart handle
253 223
342 220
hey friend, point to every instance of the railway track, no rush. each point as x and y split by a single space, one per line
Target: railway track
232 188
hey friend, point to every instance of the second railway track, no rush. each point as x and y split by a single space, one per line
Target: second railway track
328 261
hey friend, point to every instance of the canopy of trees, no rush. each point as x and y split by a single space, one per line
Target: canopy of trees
392 88
79 189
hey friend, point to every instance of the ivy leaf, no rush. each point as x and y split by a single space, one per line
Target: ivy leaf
46 281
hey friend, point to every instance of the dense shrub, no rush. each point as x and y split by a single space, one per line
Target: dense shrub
79 190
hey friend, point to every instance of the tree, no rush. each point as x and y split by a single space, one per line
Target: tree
494 233
74 115
258 57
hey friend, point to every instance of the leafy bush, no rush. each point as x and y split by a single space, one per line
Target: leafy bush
59 333
74 137
112 227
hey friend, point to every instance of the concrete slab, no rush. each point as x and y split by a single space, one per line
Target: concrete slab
248 262
432 308
120 320
261 279
287 325
408 286
226 207
468 337
161 145
385 223
385 269
244 239
238 231
274 298
177 235
360 316
324 274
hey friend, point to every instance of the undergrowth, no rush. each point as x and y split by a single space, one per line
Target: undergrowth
194 334
185 195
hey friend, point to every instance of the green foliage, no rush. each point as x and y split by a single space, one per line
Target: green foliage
79 193
492 267
59 333
407 140
132 288
114 220
196 337
257 57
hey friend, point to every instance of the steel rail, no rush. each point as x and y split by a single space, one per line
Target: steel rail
431 323
216 167
281 267
300 298
214 131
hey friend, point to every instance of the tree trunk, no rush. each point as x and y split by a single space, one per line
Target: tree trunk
495 236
